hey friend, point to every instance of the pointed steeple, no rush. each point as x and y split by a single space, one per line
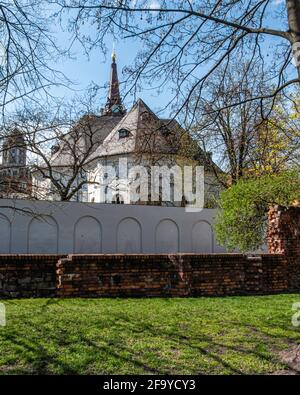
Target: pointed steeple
114 104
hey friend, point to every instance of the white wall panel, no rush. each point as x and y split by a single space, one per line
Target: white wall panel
68 227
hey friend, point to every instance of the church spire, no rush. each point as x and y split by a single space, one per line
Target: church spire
113 55
114 104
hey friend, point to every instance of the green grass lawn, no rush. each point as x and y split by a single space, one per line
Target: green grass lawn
125 336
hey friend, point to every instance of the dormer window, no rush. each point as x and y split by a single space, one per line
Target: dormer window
55 148
123 133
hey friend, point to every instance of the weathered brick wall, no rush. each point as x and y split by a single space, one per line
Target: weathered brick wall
27 275
191 274
162 275
284 231
284 238
172 275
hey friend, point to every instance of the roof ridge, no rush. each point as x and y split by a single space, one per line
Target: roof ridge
141 101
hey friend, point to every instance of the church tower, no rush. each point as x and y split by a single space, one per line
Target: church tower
14 150
114 104
15 180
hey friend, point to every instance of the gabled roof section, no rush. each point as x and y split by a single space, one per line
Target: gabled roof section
103 136
146 134
92 131
112 144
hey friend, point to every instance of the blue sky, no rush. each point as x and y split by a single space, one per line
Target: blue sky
95 68
83 70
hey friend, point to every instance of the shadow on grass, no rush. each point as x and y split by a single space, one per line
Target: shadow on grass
37 359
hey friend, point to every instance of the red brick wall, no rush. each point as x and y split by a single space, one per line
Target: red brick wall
284 238
145 275
284 231
172 275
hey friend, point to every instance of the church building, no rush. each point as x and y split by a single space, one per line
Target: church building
119 149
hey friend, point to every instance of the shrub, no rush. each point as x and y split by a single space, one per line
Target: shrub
242 219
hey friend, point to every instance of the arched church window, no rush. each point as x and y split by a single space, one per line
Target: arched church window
22 156
13 154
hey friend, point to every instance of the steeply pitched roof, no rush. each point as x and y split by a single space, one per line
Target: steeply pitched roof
147 133
96 129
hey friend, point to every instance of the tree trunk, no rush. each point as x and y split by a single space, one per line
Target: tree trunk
293 11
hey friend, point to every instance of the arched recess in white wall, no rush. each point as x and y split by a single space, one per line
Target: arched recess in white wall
167 237
202 237
5 231
43 235
87 235
129 236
